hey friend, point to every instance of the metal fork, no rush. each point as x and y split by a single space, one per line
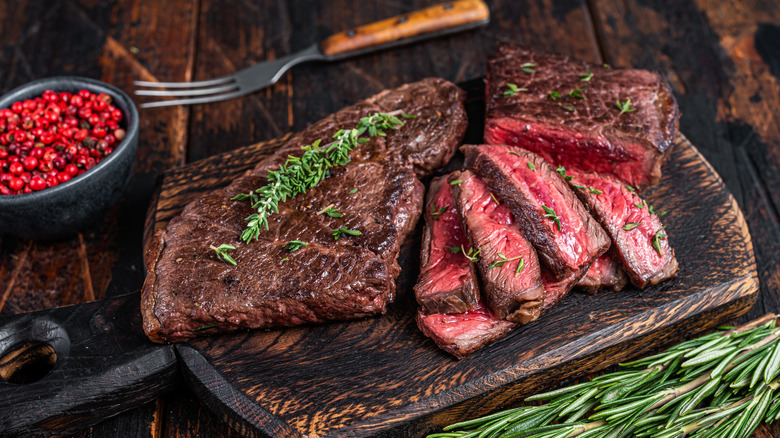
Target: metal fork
444 19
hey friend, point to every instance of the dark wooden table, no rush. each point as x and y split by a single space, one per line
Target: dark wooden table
721 57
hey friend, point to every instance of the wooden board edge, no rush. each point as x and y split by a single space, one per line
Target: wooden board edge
232 406
737 298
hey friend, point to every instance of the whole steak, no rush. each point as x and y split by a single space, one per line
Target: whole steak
189 291
578 115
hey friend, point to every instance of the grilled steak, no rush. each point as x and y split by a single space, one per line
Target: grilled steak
507 262
461 334
565 236
188 291
448 281
555 290
585 129
604 273
637 234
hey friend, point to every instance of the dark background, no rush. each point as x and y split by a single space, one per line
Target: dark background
722 59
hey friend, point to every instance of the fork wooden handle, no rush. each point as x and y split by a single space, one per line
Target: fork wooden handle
433 20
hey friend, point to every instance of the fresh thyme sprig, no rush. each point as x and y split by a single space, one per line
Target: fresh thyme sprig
344 230
550 213
513 89
624 107
222 254
436 210
295 245
721 384
502 261
657 240
299 174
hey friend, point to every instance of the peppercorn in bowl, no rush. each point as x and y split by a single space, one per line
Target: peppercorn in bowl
67 150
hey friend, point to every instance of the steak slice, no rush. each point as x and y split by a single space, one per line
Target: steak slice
604 273
536 194
189 291
646 259
448 281
507 262
555 290
461 334
588 133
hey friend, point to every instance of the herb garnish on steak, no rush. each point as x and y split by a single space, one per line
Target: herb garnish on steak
638 235
565 236
188 287
511 292
448 280
622 125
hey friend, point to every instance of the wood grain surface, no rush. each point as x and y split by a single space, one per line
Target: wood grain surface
721 57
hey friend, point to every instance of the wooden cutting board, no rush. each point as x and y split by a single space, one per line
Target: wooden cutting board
381 376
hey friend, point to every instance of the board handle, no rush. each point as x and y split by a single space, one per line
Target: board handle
446 18
64 369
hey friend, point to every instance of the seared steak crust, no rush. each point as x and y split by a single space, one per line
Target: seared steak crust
448 280
528 184
588 133
188 291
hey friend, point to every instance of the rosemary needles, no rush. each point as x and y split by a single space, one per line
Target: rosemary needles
723 384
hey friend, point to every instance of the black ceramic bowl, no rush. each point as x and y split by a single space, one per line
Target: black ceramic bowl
69 207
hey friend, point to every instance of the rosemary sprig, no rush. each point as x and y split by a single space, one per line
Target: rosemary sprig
531 166
594 191
721 384
552 215
222 254
299 174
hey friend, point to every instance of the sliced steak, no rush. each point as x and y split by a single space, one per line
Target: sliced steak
587 133
448 280
604 273
507 262
461 334
638 235
189 291
555 290
565 236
